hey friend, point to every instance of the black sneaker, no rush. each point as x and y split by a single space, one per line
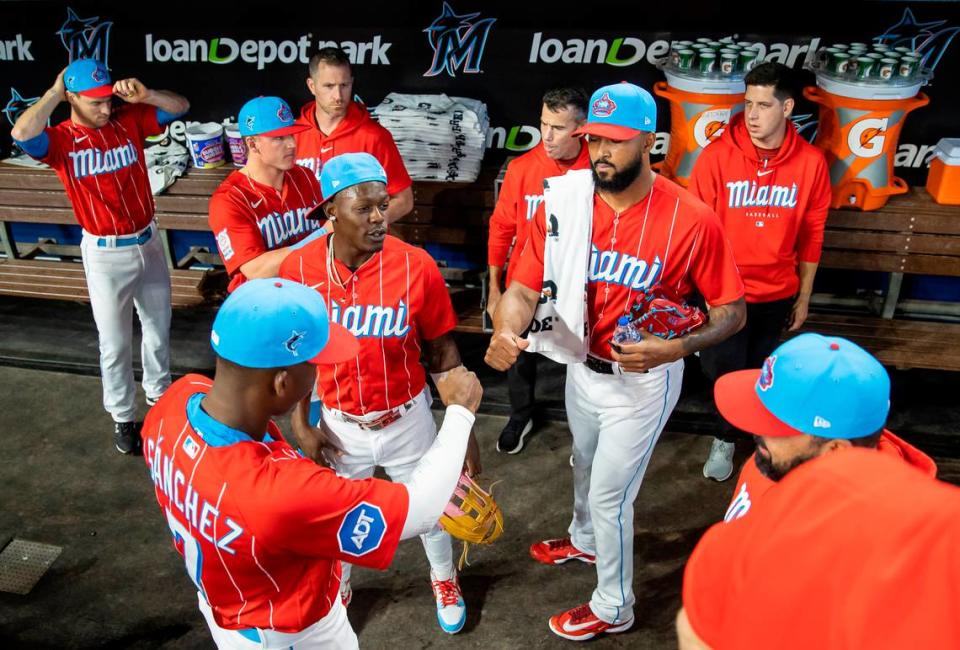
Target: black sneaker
513 435
126 437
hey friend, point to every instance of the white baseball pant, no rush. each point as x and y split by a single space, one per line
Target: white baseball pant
396 448
118 280
615 421
332 632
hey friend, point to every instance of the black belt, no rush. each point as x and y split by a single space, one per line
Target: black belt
599 365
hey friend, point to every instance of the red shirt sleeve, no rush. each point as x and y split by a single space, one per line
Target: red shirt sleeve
703 179
436 317
389 156
355 521
712 268
238 238
142 118
706 579
503 222
528 269
810 235
56 151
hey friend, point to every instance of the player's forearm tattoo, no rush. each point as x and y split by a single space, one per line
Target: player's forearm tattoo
725 321
442 354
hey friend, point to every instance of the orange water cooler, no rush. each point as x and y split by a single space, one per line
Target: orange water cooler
700 109
858 131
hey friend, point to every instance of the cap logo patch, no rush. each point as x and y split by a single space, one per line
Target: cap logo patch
215 337
70 80
250 121
604 107
284 114
292 343
821 423
99 75
765 381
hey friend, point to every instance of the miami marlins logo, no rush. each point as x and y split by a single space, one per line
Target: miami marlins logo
765 381
292 343
98 75
86 38
17 105
457 42
284 114
604 107
250 121
929 39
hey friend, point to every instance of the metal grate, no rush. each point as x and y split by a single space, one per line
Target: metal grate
23 563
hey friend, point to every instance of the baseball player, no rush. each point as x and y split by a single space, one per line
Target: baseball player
391 296
262 529
98 155
337 125
852 548
521 197
771 190
259 212
646 230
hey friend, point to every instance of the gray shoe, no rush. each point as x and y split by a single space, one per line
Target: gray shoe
719 465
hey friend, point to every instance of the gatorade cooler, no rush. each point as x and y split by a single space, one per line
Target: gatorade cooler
859 128
700 109
943 181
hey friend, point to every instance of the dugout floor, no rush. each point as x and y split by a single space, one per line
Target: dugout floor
119 584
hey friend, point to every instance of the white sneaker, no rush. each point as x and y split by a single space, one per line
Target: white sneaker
719 465
451 610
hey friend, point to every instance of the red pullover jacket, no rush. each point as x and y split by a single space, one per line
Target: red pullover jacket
773 210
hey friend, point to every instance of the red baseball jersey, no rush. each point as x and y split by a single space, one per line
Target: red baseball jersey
850 550
261 529
395 300
521 199
773 209
669 238
103 170
752 485
356 133
249 218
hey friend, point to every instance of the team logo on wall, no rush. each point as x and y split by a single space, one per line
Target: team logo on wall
458 41
931 39
17 105
86 38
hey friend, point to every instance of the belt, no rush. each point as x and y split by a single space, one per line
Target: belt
387 418
129 240
601 366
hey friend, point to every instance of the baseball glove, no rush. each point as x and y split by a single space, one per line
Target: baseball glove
664 313
472 516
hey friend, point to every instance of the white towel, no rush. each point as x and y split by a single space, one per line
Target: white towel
568 205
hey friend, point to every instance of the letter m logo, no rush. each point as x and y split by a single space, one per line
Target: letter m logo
86 38
362 530
457 42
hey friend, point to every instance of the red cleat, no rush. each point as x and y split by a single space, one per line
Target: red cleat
581 624
558 551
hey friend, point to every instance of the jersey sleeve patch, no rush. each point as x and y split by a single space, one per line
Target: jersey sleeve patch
362 530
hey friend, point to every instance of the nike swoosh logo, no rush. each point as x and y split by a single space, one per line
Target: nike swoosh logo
769 171
325 149
317 285
576 628
257 204
80 139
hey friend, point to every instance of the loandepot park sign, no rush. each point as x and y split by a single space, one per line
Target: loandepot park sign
224 50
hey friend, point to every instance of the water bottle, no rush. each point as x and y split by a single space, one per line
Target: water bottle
625 332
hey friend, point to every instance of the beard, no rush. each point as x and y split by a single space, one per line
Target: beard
775 472
619 180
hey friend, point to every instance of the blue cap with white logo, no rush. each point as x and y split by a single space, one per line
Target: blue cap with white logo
273 323
88 77
620 112
268 116
819 385
348 169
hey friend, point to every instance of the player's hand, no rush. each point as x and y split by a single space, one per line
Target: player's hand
471 464
493 300
504 349
317 443
460 386
59 88
649 353
798 316
130 90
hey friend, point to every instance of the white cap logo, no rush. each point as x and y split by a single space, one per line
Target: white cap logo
821 423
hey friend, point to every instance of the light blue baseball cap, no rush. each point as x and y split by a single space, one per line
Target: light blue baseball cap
620 112
268 116
819 385
273 323
347 170
88 77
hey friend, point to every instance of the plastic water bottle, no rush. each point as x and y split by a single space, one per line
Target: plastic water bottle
625 332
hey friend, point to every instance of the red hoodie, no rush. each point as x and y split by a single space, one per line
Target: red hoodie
773 210
752 485
356 133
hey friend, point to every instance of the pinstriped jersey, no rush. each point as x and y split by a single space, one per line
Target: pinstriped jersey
260 558
393 302
103 170
249 218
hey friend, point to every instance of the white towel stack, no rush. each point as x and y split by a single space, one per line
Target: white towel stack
440 138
